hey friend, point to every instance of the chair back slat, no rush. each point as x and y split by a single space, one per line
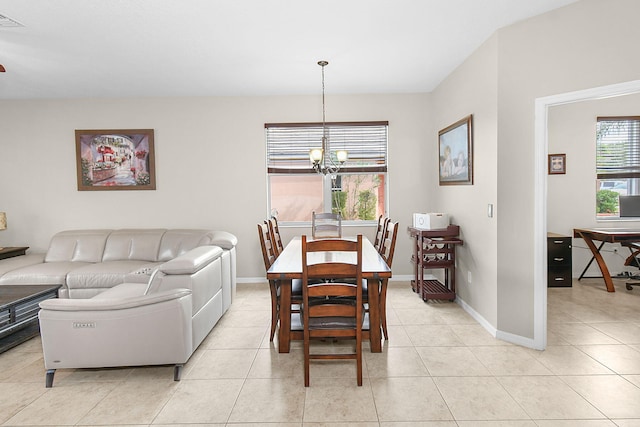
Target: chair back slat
332 310
334 289
380 232
268 254
389 243
276 238
326 225
331 270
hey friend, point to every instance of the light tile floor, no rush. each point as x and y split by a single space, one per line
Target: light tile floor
439 368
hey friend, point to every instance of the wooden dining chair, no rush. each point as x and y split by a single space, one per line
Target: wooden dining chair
326 225
380 232
275 235
268 255
332 309
388 249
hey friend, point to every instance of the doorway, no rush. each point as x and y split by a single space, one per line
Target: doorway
542 106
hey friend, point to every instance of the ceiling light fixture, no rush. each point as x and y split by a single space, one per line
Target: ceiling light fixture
321 158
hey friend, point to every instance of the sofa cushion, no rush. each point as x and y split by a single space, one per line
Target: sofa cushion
122 291
16 262
53 273
133 244
102 274
77 245
177 242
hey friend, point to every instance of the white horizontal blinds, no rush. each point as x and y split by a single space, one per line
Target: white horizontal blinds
618 147
288 145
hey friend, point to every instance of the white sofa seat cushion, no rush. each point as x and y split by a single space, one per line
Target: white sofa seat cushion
48 273
102 274
17 262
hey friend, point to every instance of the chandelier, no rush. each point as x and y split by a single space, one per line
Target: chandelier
321 158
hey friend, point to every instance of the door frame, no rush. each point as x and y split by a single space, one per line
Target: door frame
541 145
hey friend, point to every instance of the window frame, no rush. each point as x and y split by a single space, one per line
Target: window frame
328 180
627 157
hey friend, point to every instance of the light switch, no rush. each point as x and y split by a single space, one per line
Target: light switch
490 210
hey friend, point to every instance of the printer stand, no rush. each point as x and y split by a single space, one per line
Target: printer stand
435 249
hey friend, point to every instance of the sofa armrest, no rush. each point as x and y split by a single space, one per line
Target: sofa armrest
224 239
192 261
131 331
103 304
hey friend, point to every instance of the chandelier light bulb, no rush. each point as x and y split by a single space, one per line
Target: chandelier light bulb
342 155
316 155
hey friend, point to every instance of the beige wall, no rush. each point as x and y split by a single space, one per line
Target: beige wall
210 164
472 89
584 45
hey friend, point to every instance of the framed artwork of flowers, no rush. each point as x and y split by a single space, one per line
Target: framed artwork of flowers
118 159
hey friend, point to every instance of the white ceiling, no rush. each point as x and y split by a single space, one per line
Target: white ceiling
124 48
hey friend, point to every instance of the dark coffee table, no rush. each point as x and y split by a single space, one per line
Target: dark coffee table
19 312
13 251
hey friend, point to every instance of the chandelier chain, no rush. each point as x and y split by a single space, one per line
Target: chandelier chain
323 162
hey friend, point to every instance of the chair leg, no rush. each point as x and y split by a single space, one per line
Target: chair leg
48 379
274 309
359 358
383 308
306 360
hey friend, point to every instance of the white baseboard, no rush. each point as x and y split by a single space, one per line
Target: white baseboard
501 335
252 280
517 339
478 318
402 278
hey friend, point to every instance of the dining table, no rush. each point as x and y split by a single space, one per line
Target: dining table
288 266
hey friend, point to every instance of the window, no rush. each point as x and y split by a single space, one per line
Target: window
617 164
358 191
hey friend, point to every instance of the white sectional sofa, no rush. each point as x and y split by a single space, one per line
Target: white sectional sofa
128 297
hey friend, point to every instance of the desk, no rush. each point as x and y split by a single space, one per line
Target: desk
604 235
289 266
